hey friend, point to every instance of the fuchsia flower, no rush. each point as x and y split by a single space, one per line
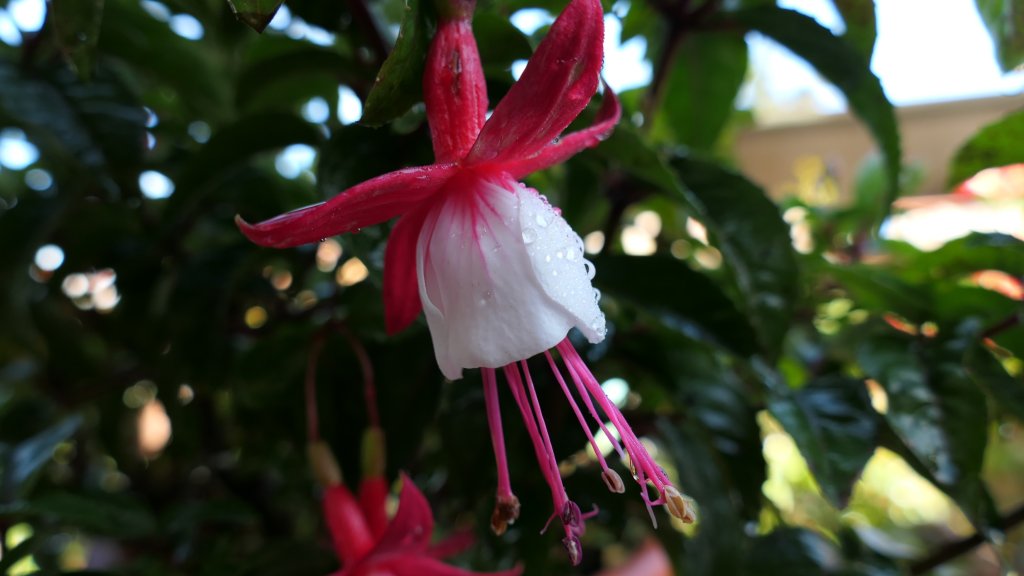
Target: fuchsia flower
402 548
498 273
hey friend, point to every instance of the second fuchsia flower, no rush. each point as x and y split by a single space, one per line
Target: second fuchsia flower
498 273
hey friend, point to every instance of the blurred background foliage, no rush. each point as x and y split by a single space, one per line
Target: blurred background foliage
836 402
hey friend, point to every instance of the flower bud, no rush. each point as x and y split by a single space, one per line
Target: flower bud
680 505
374 453
323 464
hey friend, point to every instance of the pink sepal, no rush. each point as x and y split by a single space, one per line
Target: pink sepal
454 90
559 80
401 289
365 204
607 117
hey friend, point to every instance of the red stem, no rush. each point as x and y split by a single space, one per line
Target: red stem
312 417
366 367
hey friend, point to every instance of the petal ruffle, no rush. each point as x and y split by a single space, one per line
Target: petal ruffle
454 90
559 80
411 528
401 292
571 144
365 204
501 275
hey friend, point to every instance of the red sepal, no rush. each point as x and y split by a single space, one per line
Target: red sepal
454 90
365 204
349 530
401 288
559 80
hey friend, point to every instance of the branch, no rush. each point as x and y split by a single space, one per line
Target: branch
957 547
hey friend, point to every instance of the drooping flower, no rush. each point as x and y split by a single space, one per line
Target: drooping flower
498 273
366 541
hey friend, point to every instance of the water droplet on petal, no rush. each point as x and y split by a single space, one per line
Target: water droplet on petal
597 294
529 235
570 255
560 254
590 269
541 220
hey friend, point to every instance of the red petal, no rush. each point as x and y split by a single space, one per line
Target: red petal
570 145
454 90
426 566
371 202
412 526
373 497
401 287
556 85
349 531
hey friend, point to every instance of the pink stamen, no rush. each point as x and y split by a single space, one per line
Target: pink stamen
578 382
497 434
576 410
644 466
550 472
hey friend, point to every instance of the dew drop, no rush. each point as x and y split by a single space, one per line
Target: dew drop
560 254
597 294
590 269
529 235
547 258
570 255
541 220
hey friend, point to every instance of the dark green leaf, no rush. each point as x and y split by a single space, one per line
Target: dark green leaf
682 297
701 90
789 551
861 29
293 76
962 256
99 513
997 144
713 549
25 459
1006 392
399 83
835 427
186 70
96 124
935 409
748 229
845 67
235 144
77 26
1005 22
255 13
880 291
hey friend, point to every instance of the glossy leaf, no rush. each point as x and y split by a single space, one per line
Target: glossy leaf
255 13
835 427
755 243
843 66
680 296
399 82
1005 391
997 144
936 410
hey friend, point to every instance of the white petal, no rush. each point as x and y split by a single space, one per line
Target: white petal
490 294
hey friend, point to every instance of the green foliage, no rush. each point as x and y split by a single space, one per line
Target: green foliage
1005 22
731 343
994 145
